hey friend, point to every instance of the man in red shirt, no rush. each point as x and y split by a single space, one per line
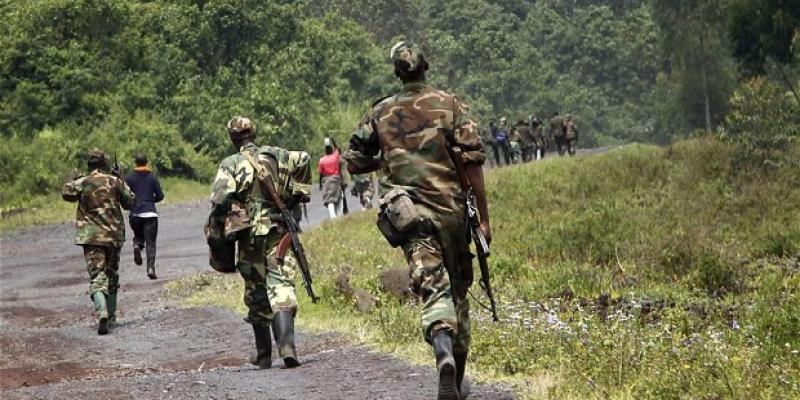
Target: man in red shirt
331 178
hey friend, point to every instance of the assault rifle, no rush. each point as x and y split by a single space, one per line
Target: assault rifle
291 239
473 223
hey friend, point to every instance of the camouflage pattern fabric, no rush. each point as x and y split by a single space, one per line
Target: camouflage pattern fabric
556 126
102 264
269 287
408 132
363 188
538 135
414 156
98 220
236 175
571 130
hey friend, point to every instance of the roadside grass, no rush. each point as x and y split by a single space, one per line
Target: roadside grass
51 208
642 273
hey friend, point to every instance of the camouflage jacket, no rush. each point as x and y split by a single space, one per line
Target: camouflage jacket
557 126
524 135
99 221
571 130
409 133
234 183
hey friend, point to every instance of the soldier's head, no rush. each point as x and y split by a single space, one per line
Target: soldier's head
96 160
492 123
241 131
409 62
503 121
568 117
140 160
555 113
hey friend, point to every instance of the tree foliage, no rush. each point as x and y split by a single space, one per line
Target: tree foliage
163 76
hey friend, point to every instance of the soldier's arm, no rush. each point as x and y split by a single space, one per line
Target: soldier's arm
299 167
126 196
71 191
224 186
466 137
364 146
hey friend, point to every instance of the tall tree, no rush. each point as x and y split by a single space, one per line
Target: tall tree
695 48
765 30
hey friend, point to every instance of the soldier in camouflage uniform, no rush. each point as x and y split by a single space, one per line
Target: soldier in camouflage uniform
570 135
523 133
408 136
363 188
557 133
269 286
539 140
100 230
487 135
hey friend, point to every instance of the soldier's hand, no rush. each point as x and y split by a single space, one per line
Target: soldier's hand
486 230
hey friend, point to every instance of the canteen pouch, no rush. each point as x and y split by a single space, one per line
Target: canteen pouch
392 235
398 217
400 210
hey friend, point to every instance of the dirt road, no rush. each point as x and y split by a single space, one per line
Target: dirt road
49 348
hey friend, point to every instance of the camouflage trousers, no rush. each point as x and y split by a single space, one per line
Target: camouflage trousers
102 263
443 290
268 287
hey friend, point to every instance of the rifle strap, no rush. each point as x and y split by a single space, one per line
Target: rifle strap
264 178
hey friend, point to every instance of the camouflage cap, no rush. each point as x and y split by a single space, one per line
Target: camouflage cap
238 125
96 156
406 51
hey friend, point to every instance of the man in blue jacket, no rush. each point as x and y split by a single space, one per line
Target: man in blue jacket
143 216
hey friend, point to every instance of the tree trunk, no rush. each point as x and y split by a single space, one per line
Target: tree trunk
706 99
786 79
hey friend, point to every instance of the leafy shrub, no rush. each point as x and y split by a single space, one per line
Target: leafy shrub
764 120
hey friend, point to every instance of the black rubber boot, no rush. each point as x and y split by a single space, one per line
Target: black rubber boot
137 255
446 365
111 306
263 354
283 329
150 249
461 368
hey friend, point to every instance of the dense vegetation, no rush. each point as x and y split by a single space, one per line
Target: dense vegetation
654 273
163 76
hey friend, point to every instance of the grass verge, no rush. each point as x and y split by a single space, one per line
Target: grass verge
51 208
643 273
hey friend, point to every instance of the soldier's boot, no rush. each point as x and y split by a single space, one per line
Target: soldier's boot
461 368
111 306
263 355
151 260
283 329
445 365
101 309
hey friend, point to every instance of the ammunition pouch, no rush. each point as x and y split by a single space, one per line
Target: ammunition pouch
398 217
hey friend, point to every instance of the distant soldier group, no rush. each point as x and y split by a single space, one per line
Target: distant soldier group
430 155
527 141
